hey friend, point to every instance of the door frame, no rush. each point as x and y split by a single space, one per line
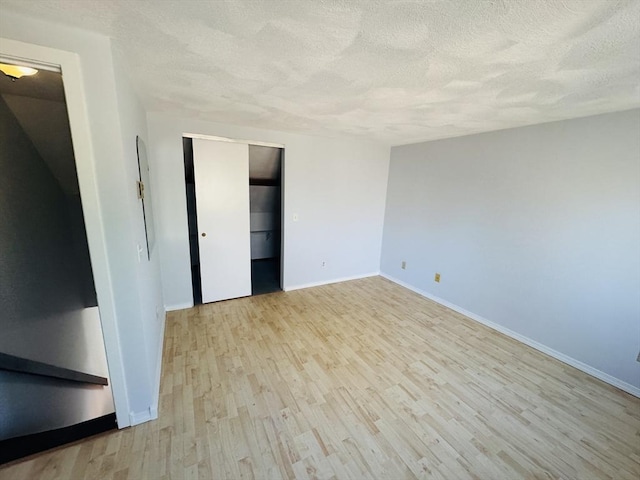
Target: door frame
70 66
281 146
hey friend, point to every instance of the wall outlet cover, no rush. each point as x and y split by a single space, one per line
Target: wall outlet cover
437 277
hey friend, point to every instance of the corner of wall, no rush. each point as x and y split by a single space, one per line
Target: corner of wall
605 377
136 418
158 374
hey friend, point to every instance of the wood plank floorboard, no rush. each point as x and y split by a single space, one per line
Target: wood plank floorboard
357 380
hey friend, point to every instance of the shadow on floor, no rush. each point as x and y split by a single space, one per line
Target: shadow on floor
265 276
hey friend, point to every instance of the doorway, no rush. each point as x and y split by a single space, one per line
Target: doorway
265 189
53 371
234 204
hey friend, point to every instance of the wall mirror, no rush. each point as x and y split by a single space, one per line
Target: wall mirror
144 193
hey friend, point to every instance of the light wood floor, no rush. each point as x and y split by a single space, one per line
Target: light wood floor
362 379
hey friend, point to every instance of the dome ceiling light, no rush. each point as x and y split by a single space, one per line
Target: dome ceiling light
16 71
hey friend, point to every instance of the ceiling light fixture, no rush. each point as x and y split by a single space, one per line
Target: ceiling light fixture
16 71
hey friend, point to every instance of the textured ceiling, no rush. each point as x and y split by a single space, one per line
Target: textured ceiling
393 71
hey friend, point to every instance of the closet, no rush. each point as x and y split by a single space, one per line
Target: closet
265 173
234 203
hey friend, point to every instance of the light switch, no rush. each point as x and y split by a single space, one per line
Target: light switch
295 217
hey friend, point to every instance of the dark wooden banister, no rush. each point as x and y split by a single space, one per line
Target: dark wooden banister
23 365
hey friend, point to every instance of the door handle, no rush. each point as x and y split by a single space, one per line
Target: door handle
203 234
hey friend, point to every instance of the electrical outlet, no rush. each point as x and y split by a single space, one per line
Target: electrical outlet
638 357
324 264
437 277
404 265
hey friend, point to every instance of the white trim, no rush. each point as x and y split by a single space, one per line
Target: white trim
30 63
136 418
605 377
178 306
154 407
232 140
328 282
85 166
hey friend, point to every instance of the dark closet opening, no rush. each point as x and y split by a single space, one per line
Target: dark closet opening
190 183
265 190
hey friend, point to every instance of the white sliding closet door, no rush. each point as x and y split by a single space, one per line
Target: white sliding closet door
222 202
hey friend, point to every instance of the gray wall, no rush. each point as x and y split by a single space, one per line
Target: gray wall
264 204
36 266
43 292
536 229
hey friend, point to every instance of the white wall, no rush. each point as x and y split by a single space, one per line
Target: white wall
335 186
133 123
536 229
124 286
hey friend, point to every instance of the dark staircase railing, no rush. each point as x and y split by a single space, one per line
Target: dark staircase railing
32 367
18 447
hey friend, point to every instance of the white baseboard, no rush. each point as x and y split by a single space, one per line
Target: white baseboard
153 410
136 418
178 306
605 377
328 282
